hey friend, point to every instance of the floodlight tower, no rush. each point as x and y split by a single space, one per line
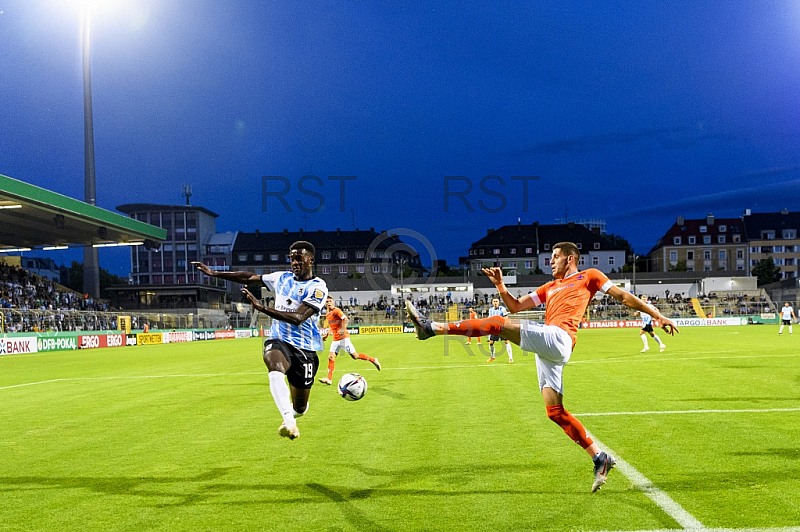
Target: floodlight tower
91 261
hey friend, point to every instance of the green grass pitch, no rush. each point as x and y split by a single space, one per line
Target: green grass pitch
184 437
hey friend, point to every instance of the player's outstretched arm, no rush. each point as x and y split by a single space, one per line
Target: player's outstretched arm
303 312
631 301
236 277
512 303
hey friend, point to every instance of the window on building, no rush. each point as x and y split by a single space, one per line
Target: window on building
342 254
739 253
676 240
547 247
706 254
720 239
242 257
326 255
722 228
692 240
777 249
258 257
528 251
513 251
376 268
343 268
547 261
597 245
723 254
673 256
690 255
611 260
582 261
326 270
707 239
482 251
528 264
359 254
496 251
595 261
512 264
755 249
360 269
789 233
703 229
737 239
768 235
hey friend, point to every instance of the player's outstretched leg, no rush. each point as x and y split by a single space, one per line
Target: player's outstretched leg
422 325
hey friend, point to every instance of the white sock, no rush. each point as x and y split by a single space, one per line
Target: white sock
781 330
491 350
644 340
508 350
658 339
280 392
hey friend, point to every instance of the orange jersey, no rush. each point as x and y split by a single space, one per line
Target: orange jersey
568 298
472 314
336 322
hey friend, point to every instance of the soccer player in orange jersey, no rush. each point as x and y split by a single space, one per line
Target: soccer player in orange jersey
567 297
473 316
337 321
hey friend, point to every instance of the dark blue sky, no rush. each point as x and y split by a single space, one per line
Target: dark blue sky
634 112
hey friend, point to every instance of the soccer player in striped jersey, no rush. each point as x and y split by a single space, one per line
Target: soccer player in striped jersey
337 321
566 297
498 310
647 328
294 336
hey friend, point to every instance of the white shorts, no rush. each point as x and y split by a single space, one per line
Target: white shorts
553 347
345 344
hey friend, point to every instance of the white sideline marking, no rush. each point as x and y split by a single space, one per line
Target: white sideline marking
766 529
662 500
709 411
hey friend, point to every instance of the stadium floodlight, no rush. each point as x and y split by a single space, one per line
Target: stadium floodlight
51 248
12 206
14 250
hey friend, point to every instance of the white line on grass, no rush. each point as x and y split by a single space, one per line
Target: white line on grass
664 501
765 529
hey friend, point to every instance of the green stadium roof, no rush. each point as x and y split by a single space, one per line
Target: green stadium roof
32 217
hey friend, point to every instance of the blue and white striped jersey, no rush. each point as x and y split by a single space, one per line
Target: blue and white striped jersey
289 294
499 311
647 319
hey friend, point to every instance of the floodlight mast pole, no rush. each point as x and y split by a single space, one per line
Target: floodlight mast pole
91 261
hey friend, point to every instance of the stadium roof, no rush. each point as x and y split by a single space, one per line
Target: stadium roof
32 217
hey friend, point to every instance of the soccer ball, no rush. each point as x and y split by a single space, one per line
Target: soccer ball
352 386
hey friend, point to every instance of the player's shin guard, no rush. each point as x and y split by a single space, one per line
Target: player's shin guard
569 424
331 365
362 356
280 392
479 327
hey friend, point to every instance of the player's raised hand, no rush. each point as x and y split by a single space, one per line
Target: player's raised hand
494 274
252 299
203 268
668 326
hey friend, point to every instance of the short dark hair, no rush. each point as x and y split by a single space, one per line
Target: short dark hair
302 244
570 249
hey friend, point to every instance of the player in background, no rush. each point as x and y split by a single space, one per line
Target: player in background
647 327
294 336
787 314
337 321
473 316
567 297
498 310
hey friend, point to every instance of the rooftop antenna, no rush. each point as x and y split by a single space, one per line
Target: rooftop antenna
353 217
186 190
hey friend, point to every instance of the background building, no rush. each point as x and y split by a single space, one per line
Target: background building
706 245
774 235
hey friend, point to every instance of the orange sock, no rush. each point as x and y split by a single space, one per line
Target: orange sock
479 327
331 364
362 356
569 424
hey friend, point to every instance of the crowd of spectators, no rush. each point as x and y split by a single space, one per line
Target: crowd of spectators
32 303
